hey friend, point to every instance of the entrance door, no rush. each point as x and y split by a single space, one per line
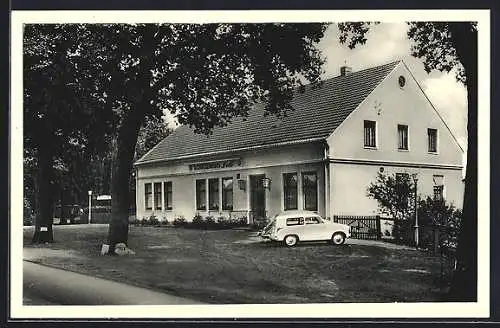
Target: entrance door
257 197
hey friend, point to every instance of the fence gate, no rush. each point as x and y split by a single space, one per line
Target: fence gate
362 227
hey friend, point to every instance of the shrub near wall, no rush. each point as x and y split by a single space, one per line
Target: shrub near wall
219 223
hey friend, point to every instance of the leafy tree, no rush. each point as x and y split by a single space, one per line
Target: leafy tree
444 217
447 46
61 109
395 195
203 74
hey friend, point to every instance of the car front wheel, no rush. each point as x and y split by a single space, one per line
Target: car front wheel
338 238
291 240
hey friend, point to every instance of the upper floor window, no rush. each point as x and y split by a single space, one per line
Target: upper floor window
370 134
402 137
432 137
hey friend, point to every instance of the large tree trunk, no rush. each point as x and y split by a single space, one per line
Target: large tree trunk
121 172
43 221
464 283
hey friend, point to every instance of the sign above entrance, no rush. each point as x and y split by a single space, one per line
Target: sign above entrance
219 164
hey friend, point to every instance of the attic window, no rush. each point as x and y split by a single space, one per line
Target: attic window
401 81
370 134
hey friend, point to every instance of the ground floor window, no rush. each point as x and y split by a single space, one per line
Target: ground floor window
167 186
201 197
213 194
310 190
148 196
438 193
290 191
227 194
157 195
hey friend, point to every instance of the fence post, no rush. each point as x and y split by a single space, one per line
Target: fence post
379 229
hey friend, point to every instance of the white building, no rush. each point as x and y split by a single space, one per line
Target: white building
321 157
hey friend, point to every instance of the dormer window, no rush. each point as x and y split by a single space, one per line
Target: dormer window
370 132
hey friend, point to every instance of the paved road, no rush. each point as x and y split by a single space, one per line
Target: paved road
43 285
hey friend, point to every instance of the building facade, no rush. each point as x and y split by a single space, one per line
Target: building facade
321 157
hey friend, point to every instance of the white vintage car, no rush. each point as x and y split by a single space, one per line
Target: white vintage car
290 227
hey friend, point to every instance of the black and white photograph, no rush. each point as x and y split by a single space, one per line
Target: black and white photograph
250 164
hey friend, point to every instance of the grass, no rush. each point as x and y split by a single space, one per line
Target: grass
231 266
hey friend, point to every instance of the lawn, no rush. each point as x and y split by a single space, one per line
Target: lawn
233 266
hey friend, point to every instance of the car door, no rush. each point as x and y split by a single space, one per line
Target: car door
310 229
314 228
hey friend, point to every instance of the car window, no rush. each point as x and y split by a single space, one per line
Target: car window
312 220
294 221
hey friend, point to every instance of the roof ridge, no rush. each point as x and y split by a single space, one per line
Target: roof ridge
394 62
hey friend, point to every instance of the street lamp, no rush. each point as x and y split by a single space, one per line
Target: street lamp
415 181
90 205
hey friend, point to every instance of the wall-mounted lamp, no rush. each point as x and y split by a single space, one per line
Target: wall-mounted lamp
266 183
242 184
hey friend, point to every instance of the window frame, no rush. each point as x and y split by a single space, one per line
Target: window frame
157 196
429 139
306 188
288 189
148 193
168 189
300 221
311 218
225 192
213 202
403 139
440 189
203 192
368 138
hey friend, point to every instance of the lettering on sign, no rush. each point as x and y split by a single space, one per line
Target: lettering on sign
222 164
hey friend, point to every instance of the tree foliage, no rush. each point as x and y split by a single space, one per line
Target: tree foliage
395 195
63 116
116 75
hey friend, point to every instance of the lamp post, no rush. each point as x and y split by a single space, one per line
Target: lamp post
90 205
415 181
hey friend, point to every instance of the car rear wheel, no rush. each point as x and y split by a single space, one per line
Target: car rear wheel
291 240
338 238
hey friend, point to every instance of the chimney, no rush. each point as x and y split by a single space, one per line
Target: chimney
344 70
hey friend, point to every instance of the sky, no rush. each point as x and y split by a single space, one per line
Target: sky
387 42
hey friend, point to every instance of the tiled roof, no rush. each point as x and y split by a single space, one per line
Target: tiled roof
318 112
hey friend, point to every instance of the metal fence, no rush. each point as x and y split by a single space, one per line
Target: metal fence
362 227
